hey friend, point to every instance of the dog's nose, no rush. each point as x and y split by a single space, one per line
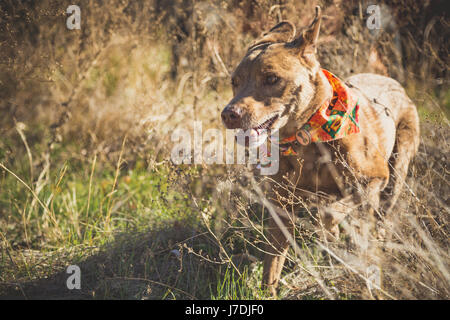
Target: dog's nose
231 116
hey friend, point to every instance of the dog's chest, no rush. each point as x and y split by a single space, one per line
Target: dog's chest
310 170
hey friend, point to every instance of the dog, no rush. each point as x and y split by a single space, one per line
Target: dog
367 128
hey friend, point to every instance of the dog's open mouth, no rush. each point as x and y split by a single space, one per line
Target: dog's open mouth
258 135
266 125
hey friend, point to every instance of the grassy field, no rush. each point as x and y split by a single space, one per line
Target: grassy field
86 177
129 229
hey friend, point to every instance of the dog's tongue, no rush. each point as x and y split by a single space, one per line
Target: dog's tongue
257 132
256 137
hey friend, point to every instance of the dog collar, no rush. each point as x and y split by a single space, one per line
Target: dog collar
335 119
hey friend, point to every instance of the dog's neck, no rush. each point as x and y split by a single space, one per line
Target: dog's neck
323 92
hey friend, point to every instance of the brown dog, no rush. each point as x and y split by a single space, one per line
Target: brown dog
279 85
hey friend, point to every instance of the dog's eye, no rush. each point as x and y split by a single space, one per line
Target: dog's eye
271 79
234 82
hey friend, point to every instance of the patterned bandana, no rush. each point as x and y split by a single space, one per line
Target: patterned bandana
334 120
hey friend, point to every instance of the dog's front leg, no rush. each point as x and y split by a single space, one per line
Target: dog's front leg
368 201
333 214
276 250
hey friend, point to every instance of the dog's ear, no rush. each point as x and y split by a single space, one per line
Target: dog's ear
282 32
307 41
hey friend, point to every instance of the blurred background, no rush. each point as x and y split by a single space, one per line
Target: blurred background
86 119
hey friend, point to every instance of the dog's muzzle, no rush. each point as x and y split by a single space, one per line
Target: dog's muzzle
232 116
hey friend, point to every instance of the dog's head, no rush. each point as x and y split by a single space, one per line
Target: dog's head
276 79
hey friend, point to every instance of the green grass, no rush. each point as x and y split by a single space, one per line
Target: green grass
120 223
85 206
232 286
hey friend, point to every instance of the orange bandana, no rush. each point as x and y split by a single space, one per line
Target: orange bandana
334 120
